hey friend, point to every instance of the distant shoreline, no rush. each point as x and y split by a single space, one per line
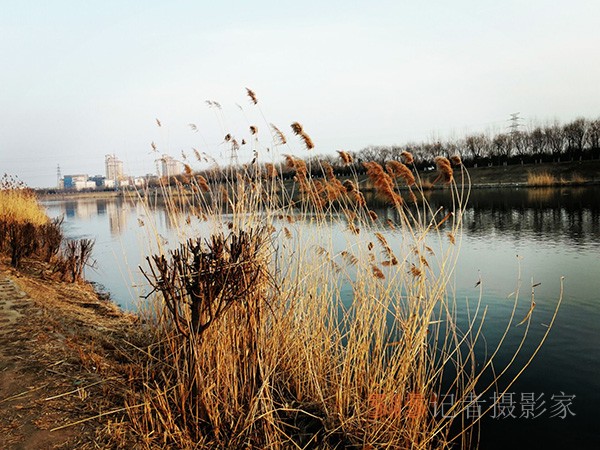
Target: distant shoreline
566 174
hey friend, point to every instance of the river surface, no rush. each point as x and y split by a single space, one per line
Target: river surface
546 234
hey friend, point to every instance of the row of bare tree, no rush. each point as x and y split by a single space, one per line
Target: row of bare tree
552 142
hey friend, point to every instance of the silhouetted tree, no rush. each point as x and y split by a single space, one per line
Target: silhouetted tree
575 134
555 139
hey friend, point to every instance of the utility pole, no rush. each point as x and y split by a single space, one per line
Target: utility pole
58 174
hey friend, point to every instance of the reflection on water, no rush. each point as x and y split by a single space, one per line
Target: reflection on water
554 232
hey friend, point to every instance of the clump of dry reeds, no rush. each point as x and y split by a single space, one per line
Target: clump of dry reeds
26 230
541 179
23 222
306 324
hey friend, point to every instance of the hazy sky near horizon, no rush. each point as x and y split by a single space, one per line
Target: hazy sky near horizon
81 79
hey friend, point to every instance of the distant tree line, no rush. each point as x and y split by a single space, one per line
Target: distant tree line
551 142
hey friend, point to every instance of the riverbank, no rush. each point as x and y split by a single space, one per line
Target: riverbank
62 362
571 173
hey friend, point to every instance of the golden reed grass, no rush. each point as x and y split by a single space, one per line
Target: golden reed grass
541 179
345 339
546 179
21 206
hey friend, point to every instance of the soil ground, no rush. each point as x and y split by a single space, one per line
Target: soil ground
61 362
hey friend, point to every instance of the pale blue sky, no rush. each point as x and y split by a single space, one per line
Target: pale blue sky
80 79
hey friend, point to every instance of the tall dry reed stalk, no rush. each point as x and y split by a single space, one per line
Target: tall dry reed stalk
302 320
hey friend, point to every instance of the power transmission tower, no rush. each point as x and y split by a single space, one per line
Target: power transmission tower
514 123
58 174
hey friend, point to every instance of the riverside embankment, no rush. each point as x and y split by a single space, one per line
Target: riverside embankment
61 362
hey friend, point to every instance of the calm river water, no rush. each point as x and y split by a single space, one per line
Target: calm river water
550 233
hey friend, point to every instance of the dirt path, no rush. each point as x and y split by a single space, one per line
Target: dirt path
25 417
56 364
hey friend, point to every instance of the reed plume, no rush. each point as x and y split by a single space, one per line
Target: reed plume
383 182
455 160
202 183
415 271
278 135
397 169
407 157
346 157
301 171
299 131
359 198
296 128
444 169
213 104
308 143
328 169
271 170
377 272
252 95
349 258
